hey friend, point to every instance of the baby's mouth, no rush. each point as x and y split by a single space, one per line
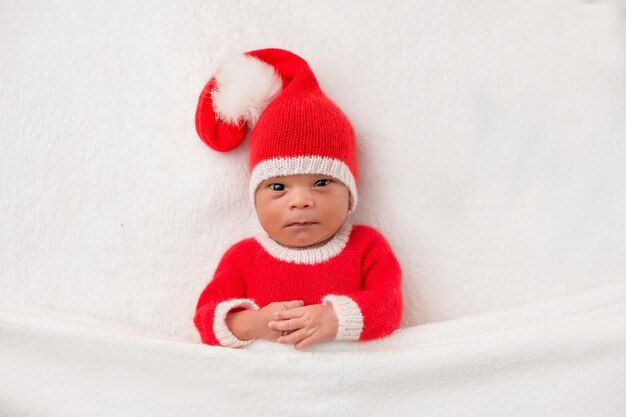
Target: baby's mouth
301 224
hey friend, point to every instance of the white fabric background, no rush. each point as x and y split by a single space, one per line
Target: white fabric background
491 136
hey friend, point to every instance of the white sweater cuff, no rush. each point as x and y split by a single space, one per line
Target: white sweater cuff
349 316
221 330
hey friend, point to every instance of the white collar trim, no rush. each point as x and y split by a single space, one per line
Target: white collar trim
307 256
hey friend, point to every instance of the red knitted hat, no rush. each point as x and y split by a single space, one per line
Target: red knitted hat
296 129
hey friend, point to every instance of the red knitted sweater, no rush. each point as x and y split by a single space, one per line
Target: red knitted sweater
356 272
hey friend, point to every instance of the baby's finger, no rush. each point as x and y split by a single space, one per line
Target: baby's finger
293 304
294 337
292 324
290 314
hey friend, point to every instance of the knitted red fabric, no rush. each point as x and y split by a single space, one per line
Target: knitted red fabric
299 129
302 120
366 271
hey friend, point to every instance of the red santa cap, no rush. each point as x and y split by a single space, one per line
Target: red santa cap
296 129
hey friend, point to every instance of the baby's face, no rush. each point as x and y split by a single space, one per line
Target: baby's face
319 200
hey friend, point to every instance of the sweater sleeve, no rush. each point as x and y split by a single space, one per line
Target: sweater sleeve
226 292
374 311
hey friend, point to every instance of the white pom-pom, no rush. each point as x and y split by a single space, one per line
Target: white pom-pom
244 87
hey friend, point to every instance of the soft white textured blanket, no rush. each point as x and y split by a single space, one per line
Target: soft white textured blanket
565 357
492 157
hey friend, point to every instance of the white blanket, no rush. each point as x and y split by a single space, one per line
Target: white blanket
491 155
565 357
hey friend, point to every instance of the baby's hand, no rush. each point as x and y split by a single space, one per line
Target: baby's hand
266 314
310 325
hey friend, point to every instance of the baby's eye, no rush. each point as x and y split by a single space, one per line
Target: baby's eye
277 186
322 183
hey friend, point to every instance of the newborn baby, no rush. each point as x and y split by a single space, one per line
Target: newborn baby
312 276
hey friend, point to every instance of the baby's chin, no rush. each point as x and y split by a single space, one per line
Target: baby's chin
300 243
296 245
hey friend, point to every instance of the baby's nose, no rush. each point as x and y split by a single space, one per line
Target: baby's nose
301 198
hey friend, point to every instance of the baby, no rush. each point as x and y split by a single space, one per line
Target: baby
312 276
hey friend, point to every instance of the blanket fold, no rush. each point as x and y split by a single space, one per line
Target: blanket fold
564 357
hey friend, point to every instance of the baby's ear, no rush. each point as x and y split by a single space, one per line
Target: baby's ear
350 202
